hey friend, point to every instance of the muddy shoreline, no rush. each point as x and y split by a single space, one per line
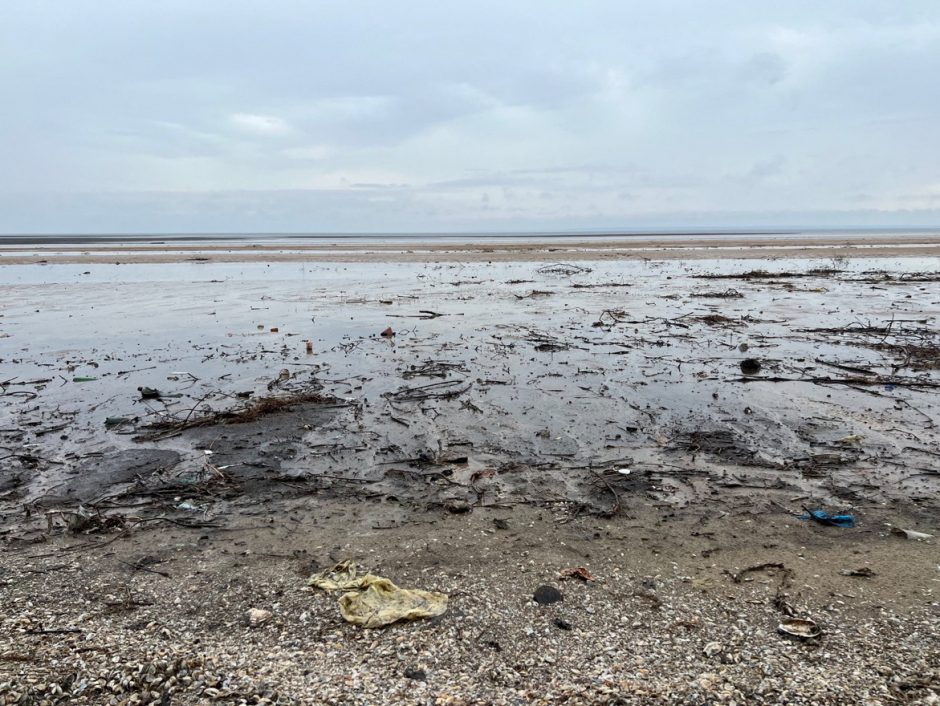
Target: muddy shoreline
517 419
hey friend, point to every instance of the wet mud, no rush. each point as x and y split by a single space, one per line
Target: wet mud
187 392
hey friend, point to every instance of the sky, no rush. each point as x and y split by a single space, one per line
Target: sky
425 116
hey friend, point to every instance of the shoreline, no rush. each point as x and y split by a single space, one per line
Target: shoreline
177 456
427 251
665 620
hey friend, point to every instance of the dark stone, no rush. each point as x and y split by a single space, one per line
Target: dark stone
501 524
547 594
458 507
416 674
562 624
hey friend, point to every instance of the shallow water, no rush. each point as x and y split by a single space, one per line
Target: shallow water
606 396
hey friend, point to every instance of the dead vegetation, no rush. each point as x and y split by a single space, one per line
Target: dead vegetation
252 411
764 274
726 294
911 343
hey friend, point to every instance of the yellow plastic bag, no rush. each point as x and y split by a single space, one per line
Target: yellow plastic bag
373 601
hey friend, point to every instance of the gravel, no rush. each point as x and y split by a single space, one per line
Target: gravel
84 628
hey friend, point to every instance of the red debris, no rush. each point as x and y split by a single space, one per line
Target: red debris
577 573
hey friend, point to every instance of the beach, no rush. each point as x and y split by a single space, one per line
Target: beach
455 249
190 430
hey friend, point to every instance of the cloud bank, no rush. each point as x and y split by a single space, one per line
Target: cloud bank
127 116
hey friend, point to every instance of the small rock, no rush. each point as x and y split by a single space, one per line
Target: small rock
458 507
547 594
258 617
864 572
500 523
712 649
416 674
562 624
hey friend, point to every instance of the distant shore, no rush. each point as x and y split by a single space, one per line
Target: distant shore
137 249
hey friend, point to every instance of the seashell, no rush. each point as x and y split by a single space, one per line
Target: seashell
799 627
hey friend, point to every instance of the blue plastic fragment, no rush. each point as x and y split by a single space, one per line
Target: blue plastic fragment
823 517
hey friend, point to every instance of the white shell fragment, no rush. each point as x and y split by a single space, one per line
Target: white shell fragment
910 534
799 627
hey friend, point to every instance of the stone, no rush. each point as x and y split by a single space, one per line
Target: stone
258 616
546 594
416 674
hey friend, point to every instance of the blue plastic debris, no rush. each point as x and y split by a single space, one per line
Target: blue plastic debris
824 518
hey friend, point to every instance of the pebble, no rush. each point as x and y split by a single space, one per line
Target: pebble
546 594
416 674
258 616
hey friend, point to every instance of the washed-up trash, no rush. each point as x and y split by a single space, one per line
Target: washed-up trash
750 366
824 518
864 572
309 346
545 595
283 376
149 393
373 601
84 378
910 534
577 573
800 627
188 507
387 333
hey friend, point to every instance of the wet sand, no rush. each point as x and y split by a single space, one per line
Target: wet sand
599 412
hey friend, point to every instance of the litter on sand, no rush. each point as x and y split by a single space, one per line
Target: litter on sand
824 518
373 601
910 534
576 573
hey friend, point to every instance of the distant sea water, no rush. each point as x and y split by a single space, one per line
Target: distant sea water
47 239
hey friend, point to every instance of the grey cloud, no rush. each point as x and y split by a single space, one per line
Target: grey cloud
624 112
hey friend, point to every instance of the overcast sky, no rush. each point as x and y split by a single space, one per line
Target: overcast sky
202 115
